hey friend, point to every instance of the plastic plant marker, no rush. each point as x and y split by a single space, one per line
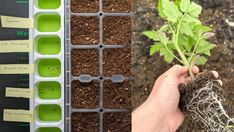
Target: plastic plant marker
49 90
48 22
49 4
49 113
50 45
49 67
49 129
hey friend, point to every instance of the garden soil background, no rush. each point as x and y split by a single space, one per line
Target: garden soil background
146 69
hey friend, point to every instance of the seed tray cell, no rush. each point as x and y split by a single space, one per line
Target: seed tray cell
85 30
117 95
84 6
117 61
117 6
85 122
117 30
85 95
117 122
85 61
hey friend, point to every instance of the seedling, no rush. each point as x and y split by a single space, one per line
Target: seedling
185 39
182 37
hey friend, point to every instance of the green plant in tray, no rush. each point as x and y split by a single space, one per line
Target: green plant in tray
182 37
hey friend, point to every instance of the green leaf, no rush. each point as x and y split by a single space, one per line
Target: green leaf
152 35
205 49
167 55
186 29
201 60
200 29
160 9
155 48
162 37
189 42
189 19
194 10
184 5
171 11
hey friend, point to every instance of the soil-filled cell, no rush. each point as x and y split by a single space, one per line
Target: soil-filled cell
48 45
117 30
117 122
84 6
49 90
49 67
85 122
117 61
49 4
117 6
117 95
85 95
48 22
48 129
49 113
85 61
84 30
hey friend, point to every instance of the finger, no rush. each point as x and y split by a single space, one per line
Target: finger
195 70
177 70
215 73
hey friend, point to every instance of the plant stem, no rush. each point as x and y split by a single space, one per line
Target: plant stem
176 42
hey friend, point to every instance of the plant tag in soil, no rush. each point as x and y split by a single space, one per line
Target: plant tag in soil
16 46
16 68
17 115
19 92
16 22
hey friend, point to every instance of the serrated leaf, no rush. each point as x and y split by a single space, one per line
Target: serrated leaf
189 19
162 37
188 43
155 48
171 11
184 5
205 49
201 60
200 30
152 35
160 9
167 55
186 29
194 10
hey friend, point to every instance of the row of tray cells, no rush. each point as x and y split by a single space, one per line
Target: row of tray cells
108 6
115 61
90 122
87 95
86 30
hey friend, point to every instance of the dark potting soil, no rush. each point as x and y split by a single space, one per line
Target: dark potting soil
84 6
85 61
117 61
117 6
117 95
84 30
85 95
117 30
147 69
85 122
117 122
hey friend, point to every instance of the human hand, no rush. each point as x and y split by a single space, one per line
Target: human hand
160 112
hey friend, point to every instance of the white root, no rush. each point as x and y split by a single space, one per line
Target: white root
229 23
206 108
